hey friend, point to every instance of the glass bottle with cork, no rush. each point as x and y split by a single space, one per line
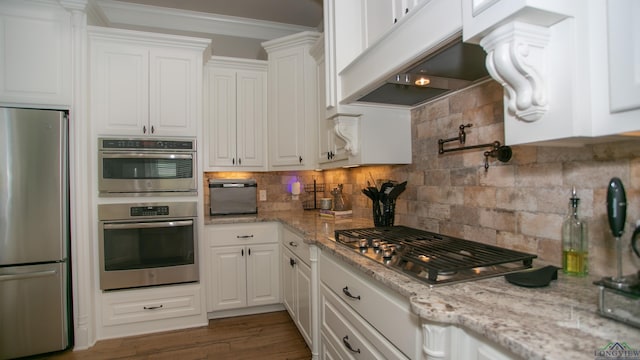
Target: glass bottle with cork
575 244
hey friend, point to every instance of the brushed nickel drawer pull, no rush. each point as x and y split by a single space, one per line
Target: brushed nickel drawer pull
346 292
153 307
345 341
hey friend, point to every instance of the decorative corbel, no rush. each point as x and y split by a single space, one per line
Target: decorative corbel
516 59
346 127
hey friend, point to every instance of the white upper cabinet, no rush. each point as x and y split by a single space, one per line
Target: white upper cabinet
344 41
351 134
235 114
566 66
331 148
144 83
371 135
624 54
292 97
35 43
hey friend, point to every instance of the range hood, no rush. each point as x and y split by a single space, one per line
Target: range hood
426 41
454 66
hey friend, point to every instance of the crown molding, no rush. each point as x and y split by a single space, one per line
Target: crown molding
120 13
74 5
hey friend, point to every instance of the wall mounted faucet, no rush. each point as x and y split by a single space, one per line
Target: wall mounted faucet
498 151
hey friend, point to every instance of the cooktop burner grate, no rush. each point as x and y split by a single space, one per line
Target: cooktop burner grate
435 258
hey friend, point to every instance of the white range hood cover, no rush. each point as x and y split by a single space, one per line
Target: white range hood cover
426 29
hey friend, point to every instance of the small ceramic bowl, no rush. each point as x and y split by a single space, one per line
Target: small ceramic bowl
325 203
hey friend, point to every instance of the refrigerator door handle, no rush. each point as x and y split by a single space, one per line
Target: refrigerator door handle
27 275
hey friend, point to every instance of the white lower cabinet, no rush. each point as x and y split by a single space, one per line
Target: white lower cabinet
360 319
243 266
350 336
296 282
138 311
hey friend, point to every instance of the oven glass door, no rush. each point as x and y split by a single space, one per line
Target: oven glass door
146 166
145 245
130 172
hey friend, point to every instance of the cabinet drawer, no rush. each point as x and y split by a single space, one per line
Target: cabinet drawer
292 241
241 234
132 306
385 310
351 335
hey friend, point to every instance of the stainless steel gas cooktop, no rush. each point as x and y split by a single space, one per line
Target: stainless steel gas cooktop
433 258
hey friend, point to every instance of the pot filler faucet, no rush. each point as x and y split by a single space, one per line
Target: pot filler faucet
501 152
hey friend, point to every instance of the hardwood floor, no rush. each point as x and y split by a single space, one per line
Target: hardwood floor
264 336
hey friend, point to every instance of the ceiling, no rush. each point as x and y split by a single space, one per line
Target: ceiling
297 12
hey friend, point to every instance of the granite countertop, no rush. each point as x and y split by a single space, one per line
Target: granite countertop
554 322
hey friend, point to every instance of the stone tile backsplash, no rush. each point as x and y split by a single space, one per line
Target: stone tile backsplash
519 204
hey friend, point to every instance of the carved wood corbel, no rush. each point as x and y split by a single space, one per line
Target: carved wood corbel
516 59
346 127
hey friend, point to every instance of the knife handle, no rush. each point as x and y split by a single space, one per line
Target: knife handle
616 207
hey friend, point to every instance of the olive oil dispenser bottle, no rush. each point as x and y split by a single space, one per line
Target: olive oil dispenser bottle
575 243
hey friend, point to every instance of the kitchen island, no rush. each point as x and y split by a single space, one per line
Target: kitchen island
554 322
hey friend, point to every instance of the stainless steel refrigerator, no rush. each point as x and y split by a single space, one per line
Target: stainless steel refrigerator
34 232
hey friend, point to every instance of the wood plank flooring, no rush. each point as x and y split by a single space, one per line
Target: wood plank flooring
271 336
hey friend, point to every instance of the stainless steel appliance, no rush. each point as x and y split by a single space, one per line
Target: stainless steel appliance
453 66
432 258
233 196
147 244
620 294
34 233
143 166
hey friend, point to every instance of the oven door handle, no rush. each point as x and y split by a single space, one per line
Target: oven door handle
147 225
119 155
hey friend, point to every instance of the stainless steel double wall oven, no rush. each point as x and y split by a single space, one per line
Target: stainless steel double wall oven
147 243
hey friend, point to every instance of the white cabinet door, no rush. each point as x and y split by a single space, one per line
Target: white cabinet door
286 110
263 276
296 291
379 18
228 278
331 148
173 93
221 117
251 118
288 269
235 117
119 88
35 43
325 143
145 83
243 265
292 97
303 287
624 54
296 273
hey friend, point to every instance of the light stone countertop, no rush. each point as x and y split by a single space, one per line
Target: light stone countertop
554 322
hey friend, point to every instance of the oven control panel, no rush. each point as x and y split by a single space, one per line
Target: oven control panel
149 210
146 144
